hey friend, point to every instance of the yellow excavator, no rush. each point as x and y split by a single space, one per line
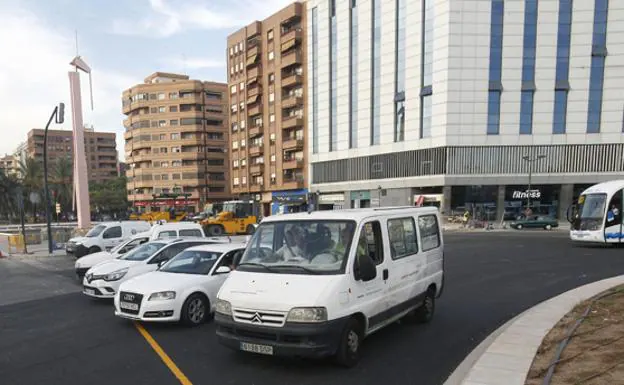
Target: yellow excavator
236 218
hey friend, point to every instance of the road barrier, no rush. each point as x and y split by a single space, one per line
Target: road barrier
11 244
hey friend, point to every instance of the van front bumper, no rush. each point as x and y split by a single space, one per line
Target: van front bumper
313 340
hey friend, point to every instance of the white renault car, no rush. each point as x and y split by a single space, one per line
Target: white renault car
83 264
103 279
184 289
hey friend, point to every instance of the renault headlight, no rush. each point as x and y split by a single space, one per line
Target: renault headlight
116 275
223 307
307 314
162 296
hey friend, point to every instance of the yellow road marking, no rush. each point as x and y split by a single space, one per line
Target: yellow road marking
163 356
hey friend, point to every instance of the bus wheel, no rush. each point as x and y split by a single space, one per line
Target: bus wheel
251 229
216 230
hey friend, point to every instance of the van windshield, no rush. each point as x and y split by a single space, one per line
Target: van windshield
299 247
94 232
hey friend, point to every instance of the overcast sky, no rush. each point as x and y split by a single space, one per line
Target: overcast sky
122 41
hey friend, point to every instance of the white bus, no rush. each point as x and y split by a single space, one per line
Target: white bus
597 215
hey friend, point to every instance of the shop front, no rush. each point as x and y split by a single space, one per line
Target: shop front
334 201
540 200
436 200
289 201
361 199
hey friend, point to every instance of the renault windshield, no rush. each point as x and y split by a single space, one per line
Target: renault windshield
299 247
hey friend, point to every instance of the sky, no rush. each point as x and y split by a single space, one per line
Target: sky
122 42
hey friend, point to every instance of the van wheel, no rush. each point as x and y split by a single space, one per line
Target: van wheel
215 230
548 227
195 310
348 353
424 314
251 229
94 249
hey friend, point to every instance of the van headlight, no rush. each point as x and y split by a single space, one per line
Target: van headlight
223 307
116 275
307 314
162 296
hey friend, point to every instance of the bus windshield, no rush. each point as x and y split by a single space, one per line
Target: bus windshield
592 206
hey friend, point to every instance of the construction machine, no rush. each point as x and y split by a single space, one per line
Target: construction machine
237 217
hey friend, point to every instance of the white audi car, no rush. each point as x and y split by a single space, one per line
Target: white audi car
184 289
103 279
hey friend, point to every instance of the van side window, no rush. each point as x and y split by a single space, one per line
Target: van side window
402 235
190 233
429 232
113 232
370 242
167 234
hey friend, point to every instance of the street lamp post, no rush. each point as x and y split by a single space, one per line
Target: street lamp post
59 116
531 159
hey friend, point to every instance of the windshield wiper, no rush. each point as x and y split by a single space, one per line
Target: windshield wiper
306 269
255 264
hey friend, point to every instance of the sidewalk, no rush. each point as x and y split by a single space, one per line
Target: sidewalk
563 226
506 356
40 250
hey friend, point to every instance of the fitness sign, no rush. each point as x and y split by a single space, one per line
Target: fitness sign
533 194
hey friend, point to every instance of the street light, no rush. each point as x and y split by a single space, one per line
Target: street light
59 117
531 159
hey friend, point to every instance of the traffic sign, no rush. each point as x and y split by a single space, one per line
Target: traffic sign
58 208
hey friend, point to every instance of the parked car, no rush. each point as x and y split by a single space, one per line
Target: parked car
184 289
103 279
105 236
328 279
535 221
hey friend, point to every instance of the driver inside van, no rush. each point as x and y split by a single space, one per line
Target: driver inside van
294 245
346 235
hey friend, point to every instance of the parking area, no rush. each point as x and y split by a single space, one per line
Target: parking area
51 334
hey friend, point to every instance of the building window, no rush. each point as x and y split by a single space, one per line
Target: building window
272 158
496 63
173 95
241 86
376 72
162 109
353 78
153 110
242 124
231 51
235 144
528 67
271 55
243 143
162 123
315 143
596 76
241 46
399 72
236 68
426 77
271 78
173 108
244 181
173 122
333 84
271 97
175 136
161 96
233 89
272 118
236 181
563 67
231 70
162 137
270 35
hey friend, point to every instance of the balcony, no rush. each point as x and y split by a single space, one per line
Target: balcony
291 58
291 121
290 34
291 79
256 169
292 144
255 187
256 150
252 61
251 51
255 109
254 72
289 101
292 183
293 163
256 131
254 90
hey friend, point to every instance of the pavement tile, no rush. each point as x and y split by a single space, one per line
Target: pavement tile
492 376
517 350
503 361
517 338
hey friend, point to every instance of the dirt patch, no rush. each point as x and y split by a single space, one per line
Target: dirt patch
595 353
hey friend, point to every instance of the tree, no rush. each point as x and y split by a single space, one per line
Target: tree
32 180
62 182
9 188
109 197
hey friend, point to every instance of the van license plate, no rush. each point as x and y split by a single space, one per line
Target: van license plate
129 306
255 348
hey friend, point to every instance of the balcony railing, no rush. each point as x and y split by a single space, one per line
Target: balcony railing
256 169
292 144
256 131
292 57
289 101
292 121
293 182
292 163
291 79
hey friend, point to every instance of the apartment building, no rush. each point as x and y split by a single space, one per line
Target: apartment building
266 79
478 105
176 140
9 164
100 150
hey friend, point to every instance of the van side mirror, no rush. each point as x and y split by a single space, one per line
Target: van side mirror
222 270
161 263
365 269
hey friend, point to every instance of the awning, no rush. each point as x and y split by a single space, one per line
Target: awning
252 80
251 60
252 99
289 44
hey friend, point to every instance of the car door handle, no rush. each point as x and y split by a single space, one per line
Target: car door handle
385 274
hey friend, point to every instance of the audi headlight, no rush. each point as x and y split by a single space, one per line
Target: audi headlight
162 296
116 275
307 314
223 307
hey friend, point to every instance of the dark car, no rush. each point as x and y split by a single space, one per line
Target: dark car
535 221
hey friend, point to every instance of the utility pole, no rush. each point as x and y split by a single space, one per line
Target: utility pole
59 115
531 159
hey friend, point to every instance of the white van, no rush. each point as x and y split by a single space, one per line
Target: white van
316 284
168 230
105 236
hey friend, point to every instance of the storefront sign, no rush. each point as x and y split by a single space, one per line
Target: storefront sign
331 198
533 194
361 195
168 202
292 197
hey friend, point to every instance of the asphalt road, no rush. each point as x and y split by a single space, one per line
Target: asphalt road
491 277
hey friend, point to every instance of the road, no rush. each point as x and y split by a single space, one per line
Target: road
67 339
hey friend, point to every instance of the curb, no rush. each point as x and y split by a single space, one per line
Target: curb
506 355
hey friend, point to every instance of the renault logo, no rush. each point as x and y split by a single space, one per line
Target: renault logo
128 297
256 319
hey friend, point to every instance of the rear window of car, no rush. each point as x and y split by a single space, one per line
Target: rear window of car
190 233
167 234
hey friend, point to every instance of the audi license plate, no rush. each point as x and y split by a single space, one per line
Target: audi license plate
89 291
255 348
129 306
